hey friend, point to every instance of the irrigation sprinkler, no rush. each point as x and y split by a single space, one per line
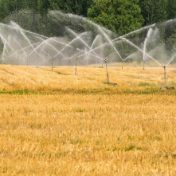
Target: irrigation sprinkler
105 60
107 70
20 43
76 63
165 77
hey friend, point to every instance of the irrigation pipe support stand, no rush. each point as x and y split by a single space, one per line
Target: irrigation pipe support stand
107 71
165 78
76 66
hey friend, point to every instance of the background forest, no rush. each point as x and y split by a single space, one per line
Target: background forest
120 16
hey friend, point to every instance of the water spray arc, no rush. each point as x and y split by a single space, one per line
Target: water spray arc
105 61
145 45
93 43
132 44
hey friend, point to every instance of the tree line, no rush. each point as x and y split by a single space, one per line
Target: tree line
120 16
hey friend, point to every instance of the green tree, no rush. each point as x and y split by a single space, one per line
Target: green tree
120 16
9 6
41 6
153 11
171 9
78 7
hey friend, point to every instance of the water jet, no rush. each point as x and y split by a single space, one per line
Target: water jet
95 44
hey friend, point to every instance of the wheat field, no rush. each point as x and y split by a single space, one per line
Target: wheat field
56 123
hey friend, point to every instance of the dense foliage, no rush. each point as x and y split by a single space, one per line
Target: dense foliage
120 16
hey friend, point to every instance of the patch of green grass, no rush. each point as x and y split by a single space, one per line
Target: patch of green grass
172 84
79 110
167 155
76 141
130 138
131 91
130 147
144 84
60 73
139 148
115 149
110 83
101 142
118 139
150 91
61 154
133 147
155 138
90 78
103 90
19 92
86 91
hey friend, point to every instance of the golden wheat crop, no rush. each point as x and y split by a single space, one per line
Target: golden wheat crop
100 129
62 78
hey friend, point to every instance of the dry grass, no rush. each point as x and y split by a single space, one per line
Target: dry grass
63 78
86 133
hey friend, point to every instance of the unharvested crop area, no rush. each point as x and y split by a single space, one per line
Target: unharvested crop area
56 123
